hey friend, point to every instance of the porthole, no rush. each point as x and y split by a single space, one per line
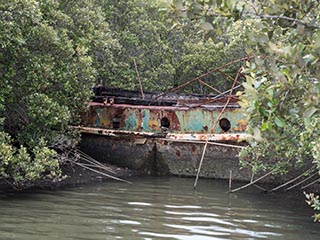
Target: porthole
225 124
165 122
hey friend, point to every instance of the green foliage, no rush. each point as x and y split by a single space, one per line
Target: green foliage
314 202
50 56
166 54
282 91
282 88
22 168
143 37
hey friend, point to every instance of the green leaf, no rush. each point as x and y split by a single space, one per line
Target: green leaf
207 26
178 3
264 126
309 58
279 122
263 112
270 34
310 111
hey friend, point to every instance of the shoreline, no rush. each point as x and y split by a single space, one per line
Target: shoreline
72 175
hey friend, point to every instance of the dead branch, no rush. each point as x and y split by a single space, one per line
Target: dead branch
99 172
138 76
292 180
252 183
308 185
294 20
304 180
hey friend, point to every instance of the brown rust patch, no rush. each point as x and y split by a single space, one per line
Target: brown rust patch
202 137
193 148
241 125
178 154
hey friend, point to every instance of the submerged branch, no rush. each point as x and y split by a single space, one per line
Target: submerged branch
99 172
304 180
292 180
308 185
252 183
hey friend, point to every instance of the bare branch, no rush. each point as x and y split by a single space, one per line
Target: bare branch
282 17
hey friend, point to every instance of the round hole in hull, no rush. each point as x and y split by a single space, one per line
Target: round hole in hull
225 124
165 122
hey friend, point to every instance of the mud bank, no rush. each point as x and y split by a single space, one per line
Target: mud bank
73 175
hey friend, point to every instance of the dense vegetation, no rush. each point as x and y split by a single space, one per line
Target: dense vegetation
282 90
52 52
167 54
47 69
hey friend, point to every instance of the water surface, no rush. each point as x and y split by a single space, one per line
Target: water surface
155 208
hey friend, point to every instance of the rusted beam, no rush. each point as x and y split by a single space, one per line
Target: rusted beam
228 100
209 143
114 133
203 75
212 88
229 77
210 137
239 137
213 127
138 76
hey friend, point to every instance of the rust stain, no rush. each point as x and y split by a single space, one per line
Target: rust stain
193 148
178 154
197 119
241 125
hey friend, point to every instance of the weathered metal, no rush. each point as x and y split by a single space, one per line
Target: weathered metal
173 119
164 156
234 137
166 138
166 132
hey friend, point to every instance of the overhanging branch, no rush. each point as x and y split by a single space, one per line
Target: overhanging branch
282 17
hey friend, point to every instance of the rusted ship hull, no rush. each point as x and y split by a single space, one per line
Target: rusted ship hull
162 156
167 136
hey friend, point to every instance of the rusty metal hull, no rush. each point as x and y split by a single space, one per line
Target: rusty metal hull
164 155
167 137
161 156
175 119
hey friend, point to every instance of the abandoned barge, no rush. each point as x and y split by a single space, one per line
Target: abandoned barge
165 134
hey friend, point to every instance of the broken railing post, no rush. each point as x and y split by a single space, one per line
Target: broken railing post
213 127
199 168
138 76
230 180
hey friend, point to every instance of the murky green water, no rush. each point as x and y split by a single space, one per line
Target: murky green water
154 208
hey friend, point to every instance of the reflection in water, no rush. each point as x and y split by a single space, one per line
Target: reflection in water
155 208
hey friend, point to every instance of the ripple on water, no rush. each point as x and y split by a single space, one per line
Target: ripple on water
140 203
153 208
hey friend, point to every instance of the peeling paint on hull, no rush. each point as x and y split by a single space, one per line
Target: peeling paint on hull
155 119
169 138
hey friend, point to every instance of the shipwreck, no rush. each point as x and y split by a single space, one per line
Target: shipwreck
167 133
